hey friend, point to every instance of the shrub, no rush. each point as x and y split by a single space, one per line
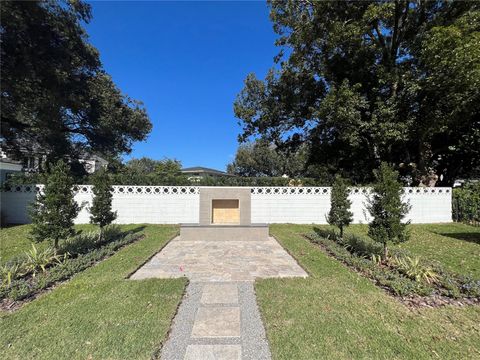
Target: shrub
39 260
9 272
466 203
340 214
391 279
101 209
414 269
387 209
26 287
53 212
402 273
88 241
359 245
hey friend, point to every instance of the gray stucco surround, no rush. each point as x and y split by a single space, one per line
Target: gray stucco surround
208 194
205 230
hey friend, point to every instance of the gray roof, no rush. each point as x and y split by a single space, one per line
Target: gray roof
204 170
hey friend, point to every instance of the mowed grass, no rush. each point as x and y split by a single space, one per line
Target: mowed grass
338 314
455 245
15 240
98 314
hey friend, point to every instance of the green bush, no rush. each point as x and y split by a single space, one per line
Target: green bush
53 212
36 261
88 241
466 203
340 214
387 209
391 279
26 287
408 277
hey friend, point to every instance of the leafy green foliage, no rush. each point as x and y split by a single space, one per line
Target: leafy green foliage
261 158
101 209
414 268
340 214
9 272
56 95
90 240
362 82
36 260
64 269
395 281
387 209
401 272
53 211
466 203
147 171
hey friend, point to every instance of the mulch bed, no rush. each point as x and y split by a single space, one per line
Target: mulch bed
414 301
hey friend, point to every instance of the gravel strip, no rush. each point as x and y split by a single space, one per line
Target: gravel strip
253 340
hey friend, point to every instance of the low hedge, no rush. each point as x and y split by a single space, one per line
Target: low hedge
356 252
26 287
466 203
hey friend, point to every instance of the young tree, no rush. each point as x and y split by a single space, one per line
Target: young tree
53 212
101 209
387 209
340 214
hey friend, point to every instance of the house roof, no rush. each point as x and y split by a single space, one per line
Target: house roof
204 170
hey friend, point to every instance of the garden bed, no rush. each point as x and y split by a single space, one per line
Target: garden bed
75 255
411 279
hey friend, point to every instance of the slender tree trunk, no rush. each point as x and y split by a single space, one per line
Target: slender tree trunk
385 251
341 232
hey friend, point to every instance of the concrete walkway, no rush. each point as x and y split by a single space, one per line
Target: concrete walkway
218 317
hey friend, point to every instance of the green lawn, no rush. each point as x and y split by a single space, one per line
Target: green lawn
338 314
455 245
15 240
98 314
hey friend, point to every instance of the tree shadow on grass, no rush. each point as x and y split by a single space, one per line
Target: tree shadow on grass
137 229
133 231
473 237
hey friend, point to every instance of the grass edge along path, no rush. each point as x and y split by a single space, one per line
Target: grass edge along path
99 313
338 314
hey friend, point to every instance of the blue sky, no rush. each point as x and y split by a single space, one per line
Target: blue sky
186 61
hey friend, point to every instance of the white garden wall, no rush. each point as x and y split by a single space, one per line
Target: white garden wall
306 205
180 204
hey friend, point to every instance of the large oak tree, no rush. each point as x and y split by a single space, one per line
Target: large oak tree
55 94
362 82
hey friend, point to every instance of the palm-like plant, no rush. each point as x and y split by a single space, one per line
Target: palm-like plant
39 260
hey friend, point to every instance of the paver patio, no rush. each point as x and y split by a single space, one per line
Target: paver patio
219 317
228 260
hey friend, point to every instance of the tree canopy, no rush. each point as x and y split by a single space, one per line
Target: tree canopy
371 81
56 96
261 158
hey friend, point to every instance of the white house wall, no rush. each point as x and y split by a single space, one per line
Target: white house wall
180 204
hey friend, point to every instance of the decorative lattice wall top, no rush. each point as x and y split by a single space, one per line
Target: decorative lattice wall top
156 190
267 190
283 190
194 190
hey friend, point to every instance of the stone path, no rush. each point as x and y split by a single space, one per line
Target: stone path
219 317
221 261
217 321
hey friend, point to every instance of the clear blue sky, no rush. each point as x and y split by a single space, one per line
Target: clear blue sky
186 61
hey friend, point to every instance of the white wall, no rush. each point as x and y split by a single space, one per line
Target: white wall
306 205
180 204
